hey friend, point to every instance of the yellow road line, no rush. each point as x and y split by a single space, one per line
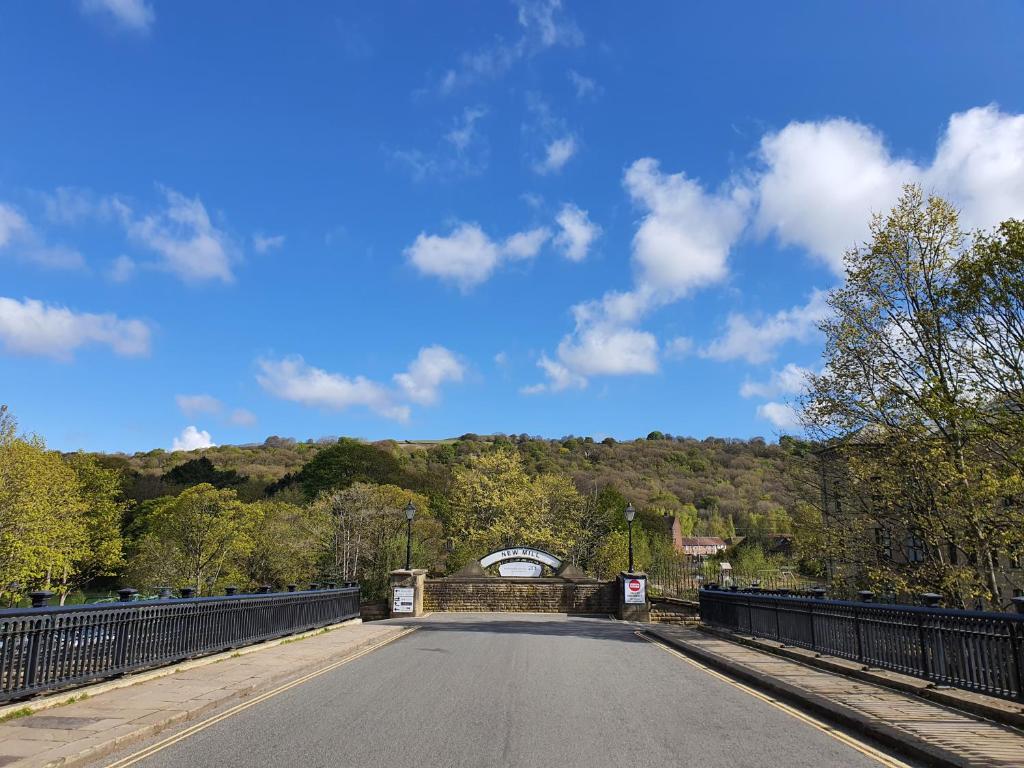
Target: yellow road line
142 754
865 749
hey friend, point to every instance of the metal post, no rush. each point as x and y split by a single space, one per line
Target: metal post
264 590
125 595
931 599
230 591
630 526
187 592
292 587
164 593
41 598
408 544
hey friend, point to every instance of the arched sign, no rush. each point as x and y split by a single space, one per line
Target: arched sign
522 553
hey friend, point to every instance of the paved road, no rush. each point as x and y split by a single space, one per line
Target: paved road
488 690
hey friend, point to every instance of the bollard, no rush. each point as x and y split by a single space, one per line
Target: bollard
187 592
292 587
164 593
230 591
819 593
865 595
41 598
126 594
264 590
931 599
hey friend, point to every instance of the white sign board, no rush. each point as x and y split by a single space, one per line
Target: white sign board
402 600
531 570
521 553
635 590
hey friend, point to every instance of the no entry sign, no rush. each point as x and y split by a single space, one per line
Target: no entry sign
635 590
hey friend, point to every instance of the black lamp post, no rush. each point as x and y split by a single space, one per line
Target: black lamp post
410 513
630 514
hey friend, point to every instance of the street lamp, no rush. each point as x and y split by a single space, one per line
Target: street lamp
410 513
630 514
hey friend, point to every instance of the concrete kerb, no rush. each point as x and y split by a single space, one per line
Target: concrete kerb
893 738
72 695
998 710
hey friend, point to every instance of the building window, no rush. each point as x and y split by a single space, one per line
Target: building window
914 547
883 542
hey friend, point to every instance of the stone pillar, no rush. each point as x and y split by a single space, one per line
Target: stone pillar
404 580
634 585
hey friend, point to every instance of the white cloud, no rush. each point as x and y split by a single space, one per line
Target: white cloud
468 256
979 163
757 341
577 233
607 350
679 347
501 359
781 415
71 205
543 26
585 86
791 380
12 224
192 439
559 378
241 417
432 367
822 181
194 405
17 234
266 243
684 239
526 245
30 327
292 379
464 131
136 15
188 242
557 153
122 270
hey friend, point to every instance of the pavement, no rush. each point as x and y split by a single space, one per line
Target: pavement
490 690
929 732
112 715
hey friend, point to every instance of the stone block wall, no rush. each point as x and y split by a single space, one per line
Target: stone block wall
520 595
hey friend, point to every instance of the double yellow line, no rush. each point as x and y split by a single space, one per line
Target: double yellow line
864 749
152 749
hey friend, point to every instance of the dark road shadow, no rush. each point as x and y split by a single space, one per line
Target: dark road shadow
557 625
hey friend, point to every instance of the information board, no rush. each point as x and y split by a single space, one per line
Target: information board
402 601
635 590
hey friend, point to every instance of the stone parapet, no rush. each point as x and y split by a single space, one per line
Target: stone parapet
512 595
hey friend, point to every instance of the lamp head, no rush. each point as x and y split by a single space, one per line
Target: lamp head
630 513
410 511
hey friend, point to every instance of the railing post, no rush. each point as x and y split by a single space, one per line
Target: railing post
292 587
187 592
264 590
230 591
41 598
164 593
125 595
931 599
860 639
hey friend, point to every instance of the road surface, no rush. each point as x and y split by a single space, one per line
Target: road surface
496 690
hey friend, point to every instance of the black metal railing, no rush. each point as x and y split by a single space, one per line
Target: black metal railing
976 650
44 649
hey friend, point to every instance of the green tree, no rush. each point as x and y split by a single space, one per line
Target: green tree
348 462
902 383
612 555
193 538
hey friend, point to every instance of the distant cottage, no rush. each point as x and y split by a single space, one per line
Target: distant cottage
701 546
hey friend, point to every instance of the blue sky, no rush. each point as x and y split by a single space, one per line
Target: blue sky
415 220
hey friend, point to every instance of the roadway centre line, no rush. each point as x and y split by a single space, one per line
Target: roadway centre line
863 748
151 750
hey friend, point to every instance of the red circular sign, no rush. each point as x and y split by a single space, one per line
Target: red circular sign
634 585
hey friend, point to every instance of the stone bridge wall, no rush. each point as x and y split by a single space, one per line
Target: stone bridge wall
520 595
